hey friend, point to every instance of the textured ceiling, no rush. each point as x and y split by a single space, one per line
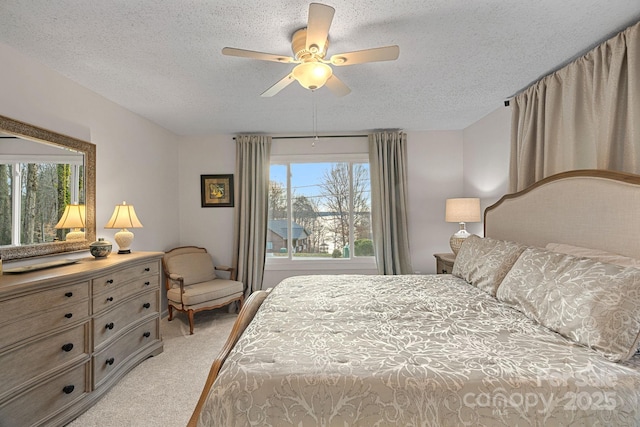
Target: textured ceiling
459 59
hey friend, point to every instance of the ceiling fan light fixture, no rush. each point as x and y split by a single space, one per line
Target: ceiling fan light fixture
312 75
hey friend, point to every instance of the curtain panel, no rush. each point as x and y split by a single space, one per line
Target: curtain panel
250 226
584 116
388 165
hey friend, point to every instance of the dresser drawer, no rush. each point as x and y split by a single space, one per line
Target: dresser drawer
110 323
48 354
114 356
27 305
112 297
40 323
36 405
117 278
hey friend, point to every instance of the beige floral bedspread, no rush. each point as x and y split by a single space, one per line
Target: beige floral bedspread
348 350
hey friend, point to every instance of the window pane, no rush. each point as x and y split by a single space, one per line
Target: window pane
362 240
328 212
307 209
45 187
277 232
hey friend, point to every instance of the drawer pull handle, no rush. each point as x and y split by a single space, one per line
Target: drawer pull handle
110 361
67 347
68 294
68 389
147 269
110 281
146 334
68 315
146 305
110 299
147 283
109 325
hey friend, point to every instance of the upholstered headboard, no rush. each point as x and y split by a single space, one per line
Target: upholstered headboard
591 208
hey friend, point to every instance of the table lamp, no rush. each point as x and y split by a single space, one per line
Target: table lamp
124 217
461 210
73 217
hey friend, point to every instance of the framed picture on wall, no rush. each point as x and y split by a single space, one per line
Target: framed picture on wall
216 191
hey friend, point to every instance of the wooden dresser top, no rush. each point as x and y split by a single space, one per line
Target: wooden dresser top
84 269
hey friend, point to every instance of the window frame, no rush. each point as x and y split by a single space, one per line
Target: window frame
306 264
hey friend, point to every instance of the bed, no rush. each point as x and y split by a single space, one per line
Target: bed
538 325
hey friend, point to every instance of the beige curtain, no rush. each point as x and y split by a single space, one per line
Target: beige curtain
584 116
251 212
388 164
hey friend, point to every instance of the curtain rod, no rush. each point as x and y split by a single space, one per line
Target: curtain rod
318 136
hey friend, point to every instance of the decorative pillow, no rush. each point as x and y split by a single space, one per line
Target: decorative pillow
594 254
483 262
592 303
193 267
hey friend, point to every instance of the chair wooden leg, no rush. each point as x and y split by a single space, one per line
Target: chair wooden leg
190 313
170 307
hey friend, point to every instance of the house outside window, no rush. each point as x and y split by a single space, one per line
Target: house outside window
320 211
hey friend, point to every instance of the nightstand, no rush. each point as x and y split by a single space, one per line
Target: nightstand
444 263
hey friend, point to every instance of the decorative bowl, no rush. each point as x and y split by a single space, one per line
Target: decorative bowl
100 249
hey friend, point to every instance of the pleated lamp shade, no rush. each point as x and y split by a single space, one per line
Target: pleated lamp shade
73 217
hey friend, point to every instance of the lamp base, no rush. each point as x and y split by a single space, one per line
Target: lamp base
458 239
74 235
124 238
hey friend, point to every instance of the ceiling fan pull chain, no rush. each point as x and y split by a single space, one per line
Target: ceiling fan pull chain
314 118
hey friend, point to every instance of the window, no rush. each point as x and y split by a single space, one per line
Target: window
319 211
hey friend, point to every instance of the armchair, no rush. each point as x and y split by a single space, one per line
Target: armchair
192 283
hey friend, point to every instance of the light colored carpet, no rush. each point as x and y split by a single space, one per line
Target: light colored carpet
163 390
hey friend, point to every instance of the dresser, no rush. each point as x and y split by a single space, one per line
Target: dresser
69 333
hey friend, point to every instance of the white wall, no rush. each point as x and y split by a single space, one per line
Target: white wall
486 160
211 228
136 159
435 174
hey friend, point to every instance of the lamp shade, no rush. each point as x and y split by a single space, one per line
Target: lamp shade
312 75
462 210
124 216
73 217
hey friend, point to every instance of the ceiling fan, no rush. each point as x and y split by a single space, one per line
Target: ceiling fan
309 46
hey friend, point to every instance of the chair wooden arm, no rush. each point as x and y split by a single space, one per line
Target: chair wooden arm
231 270
178 278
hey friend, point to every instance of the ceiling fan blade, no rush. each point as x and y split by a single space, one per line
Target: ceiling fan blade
320 17
281 84
231 51
337 87
387 53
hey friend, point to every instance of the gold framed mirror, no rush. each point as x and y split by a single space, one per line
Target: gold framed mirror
24 131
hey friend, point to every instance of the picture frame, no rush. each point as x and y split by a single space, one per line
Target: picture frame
216 191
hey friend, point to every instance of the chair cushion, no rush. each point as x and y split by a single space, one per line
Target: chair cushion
194 267
206 291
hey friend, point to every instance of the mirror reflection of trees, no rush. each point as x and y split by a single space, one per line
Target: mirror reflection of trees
45 190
